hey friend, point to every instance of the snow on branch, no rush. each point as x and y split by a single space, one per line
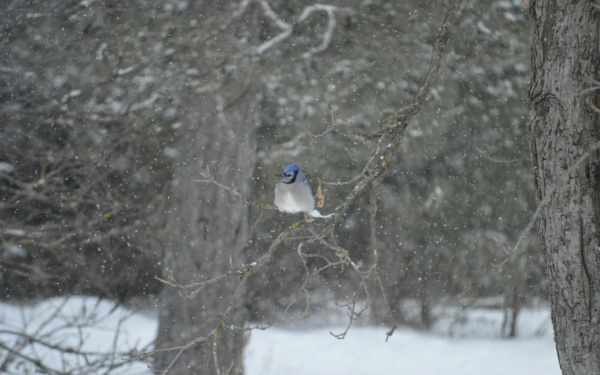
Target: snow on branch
273 16
326 37
287 28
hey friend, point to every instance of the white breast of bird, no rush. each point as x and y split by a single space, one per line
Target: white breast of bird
290 204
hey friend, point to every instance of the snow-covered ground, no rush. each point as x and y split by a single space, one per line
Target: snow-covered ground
408 352
90 325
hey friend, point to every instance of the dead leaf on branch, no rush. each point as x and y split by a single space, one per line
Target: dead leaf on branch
321 201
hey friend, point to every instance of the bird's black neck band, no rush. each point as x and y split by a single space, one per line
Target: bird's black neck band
292 180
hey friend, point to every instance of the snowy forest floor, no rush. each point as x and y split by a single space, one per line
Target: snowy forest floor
474 346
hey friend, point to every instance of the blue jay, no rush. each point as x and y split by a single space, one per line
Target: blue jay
292 192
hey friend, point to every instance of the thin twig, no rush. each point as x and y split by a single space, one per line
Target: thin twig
487 156
563 178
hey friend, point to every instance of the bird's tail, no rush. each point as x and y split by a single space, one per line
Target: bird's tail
316 213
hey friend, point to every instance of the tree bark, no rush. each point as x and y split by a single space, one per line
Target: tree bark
208 231
563 125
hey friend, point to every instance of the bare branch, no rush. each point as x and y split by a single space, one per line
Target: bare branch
405 114
353 316
208 178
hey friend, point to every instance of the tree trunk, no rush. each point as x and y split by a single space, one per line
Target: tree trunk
208 231
563 125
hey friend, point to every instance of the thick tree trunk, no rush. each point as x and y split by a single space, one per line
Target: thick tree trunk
208 231
563 125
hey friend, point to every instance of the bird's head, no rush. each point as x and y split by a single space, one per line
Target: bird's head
290 173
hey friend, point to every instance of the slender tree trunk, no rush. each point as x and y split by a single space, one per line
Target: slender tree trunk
563 125
208 232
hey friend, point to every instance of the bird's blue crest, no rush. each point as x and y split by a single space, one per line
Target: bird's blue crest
292 168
